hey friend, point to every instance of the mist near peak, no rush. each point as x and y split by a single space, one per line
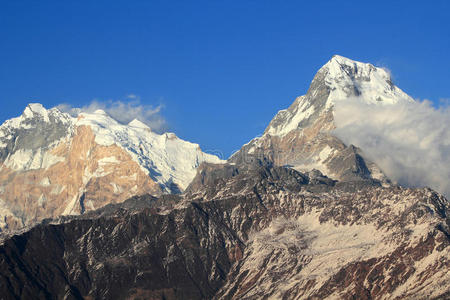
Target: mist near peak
409 141
124 111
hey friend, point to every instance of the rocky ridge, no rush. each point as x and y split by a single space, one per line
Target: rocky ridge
53 164
259 232
302 135
295 214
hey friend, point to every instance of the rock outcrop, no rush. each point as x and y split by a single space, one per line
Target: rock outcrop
295 214
258 232
302 135
53 164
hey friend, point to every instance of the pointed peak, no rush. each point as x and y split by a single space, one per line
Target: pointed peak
340 65
342 59
56 111
100 112
138 124
35 109
170 136
350 78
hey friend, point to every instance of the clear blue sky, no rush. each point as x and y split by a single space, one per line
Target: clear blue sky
221 69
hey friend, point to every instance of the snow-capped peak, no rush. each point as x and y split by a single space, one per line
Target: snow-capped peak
165 157
340 79
349 62
32 116
348 78
34 109
138 124
339 67
100 112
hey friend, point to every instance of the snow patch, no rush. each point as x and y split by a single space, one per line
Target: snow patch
288 121
70 207
108 160
117 189
57 189
42 199
165 157
318 249
345 79
325 153
27 159
45 181
34 109
374 84
4 213
138 124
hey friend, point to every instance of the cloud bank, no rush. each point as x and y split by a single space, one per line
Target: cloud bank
124 111
410 142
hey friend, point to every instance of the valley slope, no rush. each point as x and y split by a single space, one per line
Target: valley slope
258 232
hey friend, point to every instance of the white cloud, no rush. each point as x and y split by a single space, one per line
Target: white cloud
410 142
124 111
444 102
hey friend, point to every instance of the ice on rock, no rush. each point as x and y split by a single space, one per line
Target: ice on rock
138 124
36 109
100 112
345 79
164 157
348 78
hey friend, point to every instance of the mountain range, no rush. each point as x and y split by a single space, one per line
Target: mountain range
296 213
54 164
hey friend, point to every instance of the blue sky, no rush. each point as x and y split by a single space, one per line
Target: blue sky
221 69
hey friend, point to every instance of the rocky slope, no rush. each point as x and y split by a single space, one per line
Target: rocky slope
295 214
245 233
302 135
53 164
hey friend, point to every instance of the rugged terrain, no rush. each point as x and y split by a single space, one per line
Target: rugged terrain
295 214
258 232
54 164
302 135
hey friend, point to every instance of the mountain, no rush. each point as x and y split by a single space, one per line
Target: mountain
53 164
302 135
247 232
295 214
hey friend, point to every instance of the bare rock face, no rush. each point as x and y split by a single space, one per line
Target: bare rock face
244 233
302 135
54 164
295 214
90 176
